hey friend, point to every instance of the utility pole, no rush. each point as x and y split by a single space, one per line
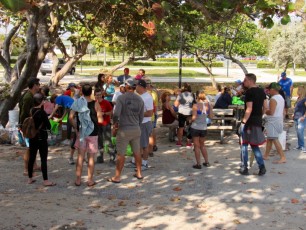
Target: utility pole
180 58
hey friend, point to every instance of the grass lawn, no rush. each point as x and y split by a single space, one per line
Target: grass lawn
298 72
154 72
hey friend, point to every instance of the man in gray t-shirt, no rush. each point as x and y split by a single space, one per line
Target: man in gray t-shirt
128 116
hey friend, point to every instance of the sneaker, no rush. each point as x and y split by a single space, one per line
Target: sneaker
100 159
206 164
151 154
197 166
244 171
262 171
304 150
130 165
155 148
71 161
189 145
297 148
143 167
178 143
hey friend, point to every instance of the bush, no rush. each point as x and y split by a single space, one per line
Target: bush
174 59
265 64
149 63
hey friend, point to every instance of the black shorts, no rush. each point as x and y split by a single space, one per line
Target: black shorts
183 119
198 133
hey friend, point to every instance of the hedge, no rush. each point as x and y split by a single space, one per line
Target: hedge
151 63
264 64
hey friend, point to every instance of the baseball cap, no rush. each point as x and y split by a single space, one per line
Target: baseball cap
130 82
71 85
274 85
283 74
142 83
238 81
122 85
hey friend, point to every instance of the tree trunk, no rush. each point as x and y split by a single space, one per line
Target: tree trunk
37 40
239 63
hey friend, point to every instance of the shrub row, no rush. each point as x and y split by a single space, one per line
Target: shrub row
151 63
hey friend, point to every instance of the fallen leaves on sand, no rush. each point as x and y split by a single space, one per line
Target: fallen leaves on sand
177 189
111 197
294 201
121 203
95 206
236 221
175 199
281 172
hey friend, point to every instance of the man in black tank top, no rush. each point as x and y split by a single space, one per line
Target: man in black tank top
87 132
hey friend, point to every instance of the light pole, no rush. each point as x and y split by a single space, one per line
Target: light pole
180 58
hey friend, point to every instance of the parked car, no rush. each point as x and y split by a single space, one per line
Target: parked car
47 64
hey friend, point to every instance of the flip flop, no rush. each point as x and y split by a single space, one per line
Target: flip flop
139 178
279 162
92 184
76 184
32 182
50 185
113 181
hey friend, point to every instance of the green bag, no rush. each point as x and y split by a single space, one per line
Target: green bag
129 151
54 127
237 101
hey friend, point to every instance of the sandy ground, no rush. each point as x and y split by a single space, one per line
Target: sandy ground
173 195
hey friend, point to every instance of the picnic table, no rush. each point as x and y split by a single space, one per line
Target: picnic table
219 124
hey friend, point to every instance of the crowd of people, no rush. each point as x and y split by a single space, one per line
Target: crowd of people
126 110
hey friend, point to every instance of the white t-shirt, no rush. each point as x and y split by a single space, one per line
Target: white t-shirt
116 95
279 106
148 105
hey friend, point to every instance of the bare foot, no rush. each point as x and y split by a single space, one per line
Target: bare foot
266 157
31 181
281 161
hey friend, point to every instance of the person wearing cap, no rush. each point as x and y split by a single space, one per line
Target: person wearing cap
287 86
26 103
251 124
122 78
274 122
127 118
72 91
146 125
65 102
238 90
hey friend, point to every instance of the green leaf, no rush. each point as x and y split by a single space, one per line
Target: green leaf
285 20
14 5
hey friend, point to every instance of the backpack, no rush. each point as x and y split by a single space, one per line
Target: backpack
28 127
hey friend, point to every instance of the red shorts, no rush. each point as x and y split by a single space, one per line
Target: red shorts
89 144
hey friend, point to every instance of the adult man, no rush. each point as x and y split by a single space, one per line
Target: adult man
251 124
26 103
127 118
65 102
122 78
146 126
287 86
89 115
238 89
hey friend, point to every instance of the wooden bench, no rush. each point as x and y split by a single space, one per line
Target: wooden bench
220 115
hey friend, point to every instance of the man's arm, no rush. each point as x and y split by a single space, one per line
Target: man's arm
72 120
99 112
248 112
291 89
54 111
272 107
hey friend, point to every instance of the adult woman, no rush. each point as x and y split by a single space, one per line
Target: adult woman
200 110
274 122
39 142
224 100
169 117
101 81
109 89
184 102
299 117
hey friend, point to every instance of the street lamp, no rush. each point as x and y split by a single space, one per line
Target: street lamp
180 57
